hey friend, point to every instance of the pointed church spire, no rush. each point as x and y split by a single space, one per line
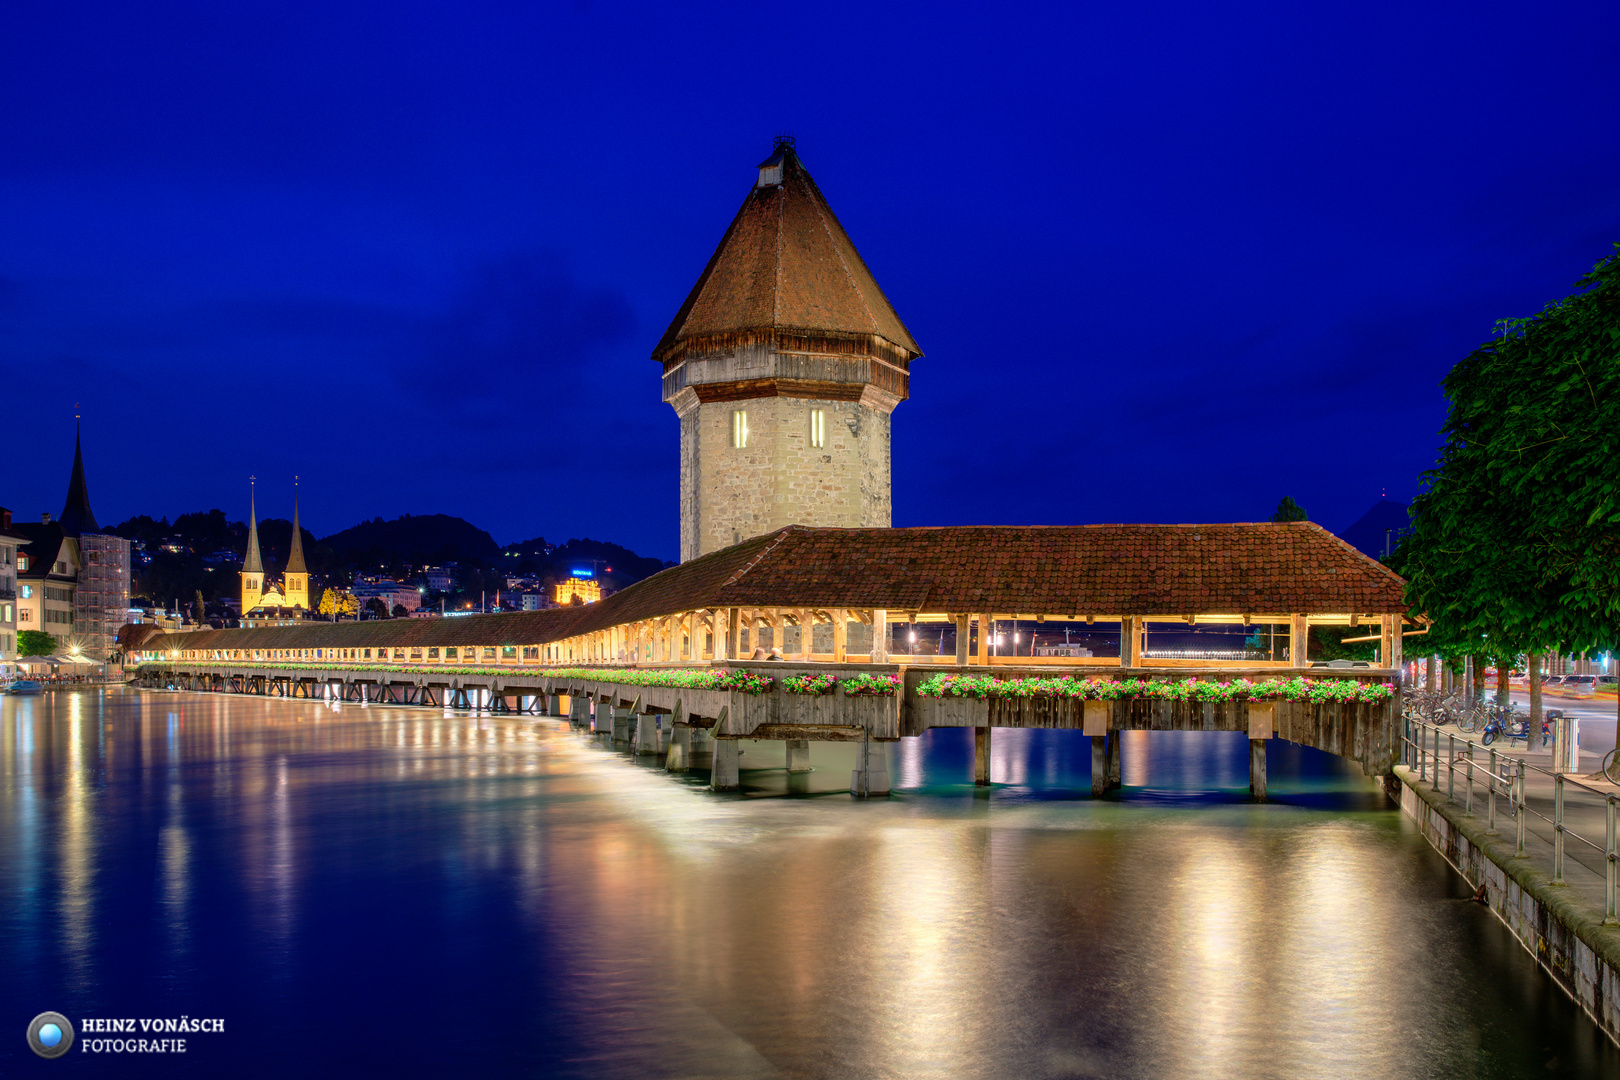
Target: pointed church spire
77 518
251 563
295 556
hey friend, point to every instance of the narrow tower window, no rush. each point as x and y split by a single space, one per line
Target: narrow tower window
818 427
739 428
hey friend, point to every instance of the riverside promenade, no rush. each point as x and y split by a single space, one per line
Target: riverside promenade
1541 848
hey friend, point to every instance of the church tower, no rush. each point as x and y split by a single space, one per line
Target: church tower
295 582
252 565
783 364
77 518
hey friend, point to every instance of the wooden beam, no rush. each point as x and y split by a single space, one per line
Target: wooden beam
879 651
984 640
1396 658
840 633
962 636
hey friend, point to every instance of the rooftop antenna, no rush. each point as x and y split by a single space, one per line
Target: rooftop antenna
784 141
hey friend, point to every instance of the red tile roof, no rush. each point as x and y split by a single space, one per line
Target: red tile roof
1292 567
1263 568
786 264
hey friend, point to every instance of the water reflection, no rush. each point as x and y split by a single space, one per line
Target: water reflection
416 871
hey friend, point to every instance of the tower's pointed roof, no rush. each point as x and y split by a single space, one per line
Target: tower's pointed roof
295 556
77 517
251 563
785 264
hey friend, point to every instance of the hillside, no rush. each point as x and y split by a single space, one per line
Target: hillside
413 538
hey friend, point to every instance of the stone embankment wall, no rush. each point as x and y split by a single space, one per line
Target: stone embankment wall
1566 936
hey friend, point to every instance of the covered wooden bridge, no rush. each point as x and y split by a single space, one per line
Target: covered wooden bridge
848 602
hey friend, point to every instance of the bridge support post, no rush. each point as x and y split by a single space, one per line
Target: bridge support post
871 775
1262 724
679 758
1099 766
723 773
646 733
981 757
622 730
1115 772
798 755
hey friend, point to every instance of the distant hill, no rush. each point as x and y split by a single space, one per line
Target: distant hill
616 566
425 538
1386 523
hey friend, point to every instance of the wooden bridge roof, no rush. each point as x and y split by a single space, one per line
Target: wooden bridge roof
1260 568
1272 568
505 628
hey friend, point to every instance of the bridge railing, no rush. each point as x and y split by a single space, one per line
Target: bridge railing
1427 750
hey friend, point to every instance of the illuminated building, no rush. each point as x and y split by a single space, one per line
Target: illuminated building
588 591
266 604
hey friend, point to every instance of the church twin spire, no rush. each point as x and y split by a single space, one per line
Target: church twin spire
294 591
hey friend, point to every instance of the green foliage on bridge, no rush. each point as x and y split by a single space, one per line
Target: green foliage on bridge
1316 691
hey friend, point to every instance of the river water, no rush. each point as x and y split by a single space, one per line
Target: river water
375 891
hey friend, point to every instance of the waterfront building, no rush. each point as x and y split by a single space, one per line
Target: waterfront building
73 579
10 539
784 365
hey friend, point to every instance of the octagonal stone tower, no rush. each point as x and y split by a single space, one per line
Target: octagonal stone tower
783 365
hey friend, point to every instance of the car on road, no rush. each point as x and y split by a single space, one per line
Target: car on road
1608 684
1577 686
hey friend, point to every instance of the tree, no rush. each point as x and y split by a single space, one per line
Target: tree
199 610
35 643
1515 545
336 602
377 608
400 611
1289 510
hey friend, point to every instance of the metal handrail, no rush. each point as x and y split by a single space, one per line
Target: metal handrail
1415 744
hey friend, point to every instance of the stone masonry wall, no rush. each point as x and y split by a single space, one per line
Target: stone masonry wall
729 494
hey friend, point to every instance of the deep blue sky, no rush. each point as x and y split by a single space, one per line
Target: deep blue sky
1167 262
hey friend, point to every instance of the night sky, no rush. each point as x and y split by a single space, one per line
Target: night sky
1166 262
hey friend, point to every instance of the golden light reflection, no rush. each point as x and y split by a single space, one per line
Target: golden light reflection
1136 757
78 839
1216 943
